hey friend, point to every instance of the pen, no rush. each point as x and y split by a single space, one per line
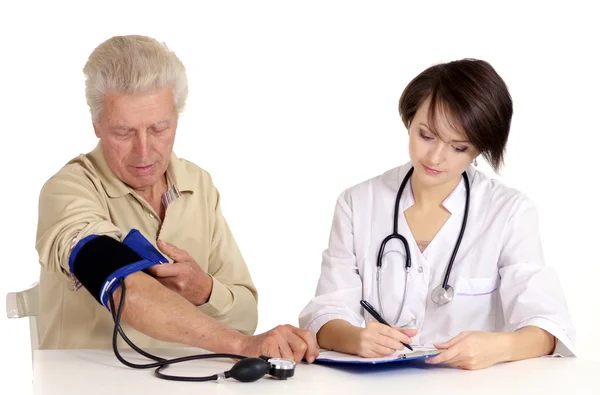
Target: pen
367 306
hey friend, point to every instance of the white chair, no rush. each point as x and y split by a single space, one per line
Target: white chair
25 304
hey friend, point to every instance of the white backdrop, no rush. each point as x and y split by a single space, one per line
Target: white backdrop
292 102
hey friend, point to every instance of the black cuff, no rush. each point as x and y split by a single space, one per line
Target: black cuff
97 259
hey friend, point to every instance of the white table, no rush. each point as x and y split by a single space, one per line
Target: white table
93 372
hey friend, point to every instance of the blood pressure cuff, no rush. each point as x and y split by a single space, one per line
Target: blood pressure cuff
99 261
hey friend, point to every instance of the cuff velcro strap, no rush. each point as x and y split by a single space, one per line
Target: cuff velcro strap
99 262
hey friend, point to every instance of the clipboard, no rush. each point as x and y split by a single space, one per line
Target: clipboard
334 357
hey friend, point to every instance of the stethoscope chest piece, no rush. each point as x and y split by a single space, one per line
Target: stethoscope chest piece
441 295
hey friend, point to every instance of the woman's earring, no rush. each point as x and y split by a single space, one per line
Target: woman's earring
475 162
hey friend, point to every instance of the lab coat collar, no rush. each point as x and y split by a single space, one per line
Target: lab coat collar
454 203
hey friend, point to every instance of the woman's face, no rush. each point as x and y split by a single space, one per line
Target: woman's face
438 159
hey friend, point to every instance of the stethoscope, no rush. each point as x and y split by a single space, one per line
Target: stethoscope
443 293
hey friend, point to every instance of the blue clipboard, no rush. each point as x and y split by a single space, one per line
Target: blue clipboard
332 357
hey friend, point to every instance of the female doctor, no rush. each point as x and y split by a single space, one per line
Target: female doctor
462 269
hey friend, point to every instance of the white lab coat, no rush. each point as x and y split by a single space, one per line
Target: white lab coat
499 277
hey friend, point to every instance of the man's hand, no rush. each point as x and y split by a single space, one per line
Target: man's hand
473 350
284 341
183 276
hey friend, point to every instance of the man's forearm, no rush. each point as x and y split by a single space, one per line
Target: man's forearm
160 313
233 305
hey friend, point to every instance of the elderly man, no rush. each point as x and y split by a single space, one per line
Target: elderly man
131 209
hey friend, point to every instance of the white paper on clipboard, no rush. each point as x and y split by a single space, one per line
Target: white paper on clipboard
419 352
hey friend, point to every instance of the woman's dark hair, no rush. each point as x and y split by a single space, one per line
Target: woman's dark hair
473 94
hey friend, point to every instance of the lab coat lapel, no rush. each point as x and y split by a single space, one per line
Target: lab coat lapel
443 246
443 242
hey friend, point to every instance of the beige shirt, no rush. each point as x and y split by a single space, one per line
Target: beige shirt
85 198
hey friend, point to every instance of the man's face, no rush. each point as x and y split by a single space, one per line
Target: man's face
137 133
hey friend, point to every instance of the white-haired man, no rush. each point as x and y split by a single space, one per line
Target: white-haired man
128 206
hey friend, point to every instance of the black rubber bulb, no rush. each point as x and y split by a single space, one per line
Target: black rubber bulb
249 369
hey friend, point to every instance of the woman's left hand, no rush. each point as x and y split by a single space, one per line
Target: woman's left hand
473 350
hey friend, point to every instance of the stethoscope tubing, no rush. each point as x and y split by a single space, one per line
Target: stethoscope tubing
408 262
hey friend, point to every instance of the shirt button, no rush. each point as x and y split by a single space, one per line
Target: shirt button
420 269
152 216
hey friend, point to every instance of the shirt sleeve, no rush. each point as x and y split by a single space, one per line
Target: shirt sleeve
69 210
234 299
530 292
339 288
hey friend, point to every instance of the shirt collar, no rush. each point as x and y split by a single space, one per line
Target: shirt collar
454 202
176 174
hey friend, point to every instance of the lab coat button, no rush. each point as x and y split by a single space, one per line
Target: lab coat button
420 269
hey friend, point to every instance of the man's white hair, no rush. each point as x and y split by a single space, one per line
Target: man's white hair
129 65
